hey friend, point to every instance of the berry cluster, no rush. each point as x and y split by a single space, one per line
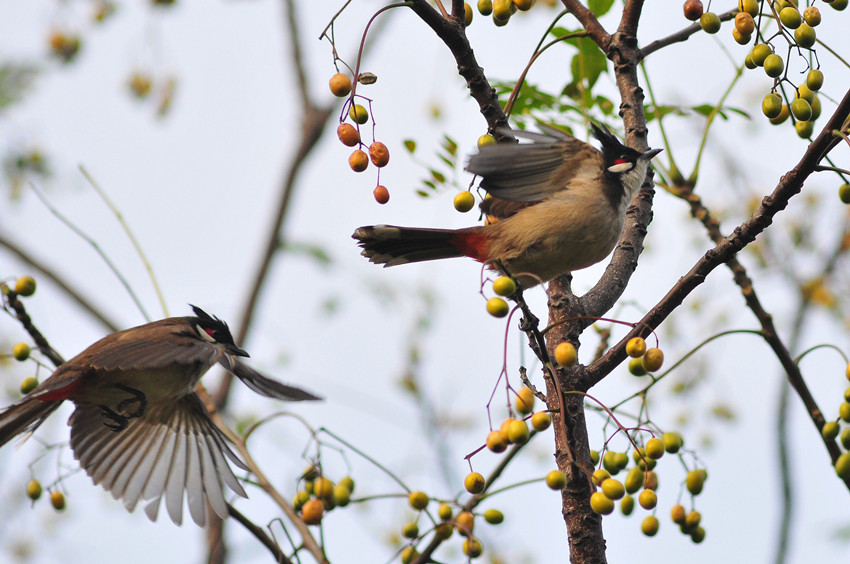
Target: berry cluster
319 494
349 134
796 30
57 498
643 360
832 430
642 477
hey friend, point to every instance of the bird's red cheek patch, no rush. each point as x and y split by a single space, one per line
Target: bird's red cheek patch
473 245
63 393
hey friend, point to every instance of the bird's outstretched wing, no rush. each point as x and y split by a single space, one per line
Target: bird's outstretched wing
266 386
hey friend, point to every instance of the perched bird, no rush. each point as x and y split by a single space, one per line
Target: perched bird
138 428
561 205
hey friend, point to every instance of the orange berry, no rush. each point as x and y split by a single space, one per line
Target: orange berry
382 195
348 134
379 154
358 161
340 85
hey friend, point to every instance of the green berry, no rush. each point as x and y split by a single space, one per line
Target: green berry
709 22
804 129
695 480
760 53
805 36
844 411
844 193
673 441
485 7
790 17
636 367
494 516
814 80
845 438
830 430
801 109
472 548
444 511
29 384
634 480
773 65
842 466
358 114
410 531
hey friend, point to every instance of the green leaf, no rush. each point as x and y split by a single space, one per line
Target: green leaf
410 145
438 176
599 7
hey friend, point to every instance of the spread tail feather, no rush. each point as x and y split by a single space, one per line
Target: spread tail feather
391 245
24 417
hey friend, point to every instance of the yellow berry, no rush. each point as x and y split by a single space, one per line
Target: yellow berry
566 354
600 475
692 519
634 479
650 480
695 480
300 499
636 367
25 286
647 499
541 421
518 432
814 80
408 555
497 307
504 285
474 483
57 500
844 411
613 489
486 139
467 14
410 530
654 448
34 490
523 5
653 359
21 351
494 516
340 85
594 457
673 441
28 384
464 201
649 525
773 65
627 505
636 347
601 504
472 548
323 488
771 105
556 480
348 483
749 6
677 514
790 17
496 441
485 7
341 496
842 466
525 400
418 500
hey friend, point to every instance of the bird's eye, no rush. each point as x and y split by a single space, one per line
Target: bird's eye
206 334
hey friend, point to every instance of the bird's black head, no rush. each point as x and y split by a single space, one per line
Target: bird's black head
618 158
213 330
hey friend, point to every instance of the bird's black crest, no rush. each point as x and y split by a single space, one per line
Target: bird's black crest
215 327
612 149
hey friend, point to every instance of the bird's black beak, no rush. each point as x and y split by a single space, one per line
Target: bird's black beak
236 351
649 154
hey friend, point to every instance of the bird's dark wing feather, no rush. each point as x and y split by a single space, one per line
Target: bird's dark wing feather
157 347
530 172
266 386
